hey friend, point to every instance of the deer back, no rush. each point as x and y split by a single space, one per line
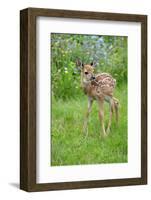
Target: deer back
103 84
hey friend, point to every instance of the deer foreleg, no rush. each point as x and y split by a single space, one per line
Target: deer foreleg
85 126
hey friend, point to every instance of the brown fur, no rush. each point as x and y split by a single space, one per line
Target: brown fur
99 87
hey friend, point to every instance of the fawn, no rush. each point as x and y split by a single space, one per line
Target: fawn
98 87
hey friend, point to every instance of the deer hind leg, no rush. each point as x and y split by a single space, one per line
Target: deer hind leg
112 109
85 126
116 106
101 116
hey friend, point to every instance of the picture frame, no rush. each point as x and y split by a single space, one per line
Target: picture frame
28 99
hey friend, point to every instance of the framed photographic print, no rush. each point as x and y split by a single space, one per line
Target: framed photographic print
83 99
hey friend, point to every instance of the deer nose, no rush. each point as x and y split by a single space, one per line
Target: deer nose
86 72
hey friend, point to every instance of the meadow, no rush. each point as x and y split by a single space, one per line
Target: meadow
69 144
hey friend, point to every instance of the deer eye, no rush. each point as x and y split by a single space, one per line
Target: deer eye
86 72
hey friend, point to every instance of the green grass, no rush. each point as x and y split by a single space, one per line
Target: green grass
69 146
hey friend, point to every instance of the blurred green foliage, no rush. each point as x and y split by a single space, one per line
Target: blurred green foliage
109 52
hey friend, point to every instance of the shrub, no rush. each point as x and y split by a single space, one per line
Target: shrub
110 53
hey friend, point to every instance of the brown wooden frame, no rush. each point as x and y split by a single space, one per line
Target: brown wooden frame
28 98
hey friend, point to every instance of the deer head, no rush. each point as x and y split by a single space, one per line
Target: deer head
87 70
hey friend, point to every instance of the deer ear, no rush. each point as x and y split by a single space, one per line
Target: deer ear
79 64
93 64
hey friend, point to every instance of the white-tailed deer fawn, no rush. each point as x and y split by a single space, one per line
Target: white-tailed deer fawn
98 87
